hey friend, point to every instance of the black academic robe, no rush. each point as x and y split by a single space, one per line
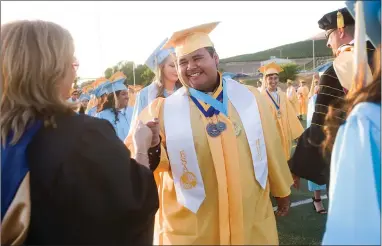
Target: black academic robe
86 189
308 160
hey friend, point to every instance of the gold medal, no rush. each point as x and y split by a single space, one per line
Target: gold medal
278 114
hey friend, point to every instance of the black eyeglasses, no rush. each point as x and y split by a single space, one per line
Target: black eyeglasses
328 33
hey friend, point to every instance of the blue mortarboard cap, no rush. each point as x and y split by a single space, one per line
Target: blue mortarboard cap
117 85
84 96
101 89
372 13
158 56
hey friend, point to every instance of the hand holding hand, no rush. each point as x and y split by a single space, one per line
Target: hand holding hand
154 126
142 137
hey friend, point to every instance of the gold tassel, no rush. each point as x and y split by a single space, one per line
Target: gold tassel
340 20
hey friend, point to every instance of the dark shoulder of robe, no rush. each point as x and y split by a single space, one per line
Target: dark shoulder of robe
86 189
308 160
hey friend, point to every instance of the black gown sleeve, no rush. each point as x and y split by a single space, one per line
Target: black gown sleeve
308 160
154 155
113 198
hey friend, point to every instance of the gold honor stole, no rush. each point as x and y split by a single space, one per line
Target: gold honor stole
187 177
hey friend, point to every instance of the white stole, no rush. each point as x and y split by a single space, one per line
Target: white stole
187 177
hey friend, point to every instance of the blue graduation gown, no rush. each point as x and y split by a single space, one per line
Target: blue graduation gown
145 97
124 120
354 214
92 111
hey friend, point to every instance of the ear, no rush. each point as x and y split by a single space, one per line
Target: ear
341 31
216 59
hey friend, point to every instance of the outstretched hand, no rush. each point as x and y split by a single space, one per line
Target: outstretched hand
154 126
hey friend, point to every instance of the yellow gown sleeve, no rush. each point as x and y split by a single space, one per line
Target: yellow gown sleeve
279 175
295 125
153 110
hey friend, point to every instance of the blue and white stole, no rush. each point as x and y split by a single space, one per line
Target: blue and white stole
180 143
213 106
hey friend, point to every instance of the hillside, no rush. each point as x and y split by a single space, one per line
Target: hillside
301 49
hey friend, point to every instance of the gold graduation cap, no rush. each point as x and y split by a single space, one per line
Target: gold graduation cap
271 68
117 76
98 82
191 39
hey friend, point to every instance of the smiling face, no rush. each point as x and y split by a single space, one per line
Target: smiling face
199 69
169 70
122 98
272 81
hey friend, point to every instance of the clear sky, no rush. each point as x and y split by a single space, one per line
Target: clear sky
108 32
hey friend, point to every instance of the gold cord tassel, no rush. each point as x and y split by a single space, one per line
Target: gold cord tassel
340 20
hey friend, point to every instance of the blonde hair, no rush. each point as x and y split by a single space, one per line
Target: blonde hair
35 58
158 79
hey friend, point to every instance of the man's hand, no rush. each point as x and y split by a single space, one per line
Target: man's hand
154 126
283 205
296 181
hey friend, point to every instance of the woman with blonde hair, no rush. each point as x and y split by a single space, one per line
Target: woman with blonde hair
66 178
166 80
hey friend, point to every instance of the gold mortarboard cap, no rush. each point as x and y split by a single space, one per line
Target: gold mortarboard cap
191 39
270 68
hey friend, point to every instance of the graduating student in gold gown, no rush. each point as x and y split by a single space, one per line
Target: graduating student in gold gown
288 125
292 96
303 98
233 206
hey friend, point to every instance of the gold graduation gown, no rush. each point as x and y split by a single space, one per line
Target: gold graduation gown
288 125
303 100
236 210
292 97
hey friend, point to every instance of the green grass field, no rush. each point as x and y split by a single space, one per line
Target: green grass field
302 226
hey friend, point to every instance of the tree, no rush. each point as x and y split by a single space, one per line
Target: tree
108 72
86 83
143 74
290 72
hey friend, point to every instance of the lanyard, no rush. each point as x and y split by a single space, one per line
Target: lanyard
214 103
277 105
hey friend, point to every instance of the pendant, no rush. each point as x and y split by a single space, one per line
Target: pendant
237 129
212 130
278 114
221 126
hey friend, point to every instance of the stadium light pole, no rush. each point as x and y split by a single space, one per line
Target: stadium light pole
134 73
314 60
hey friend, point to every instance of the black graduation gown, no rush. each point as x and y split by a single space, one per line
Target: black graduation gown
308 160
86 189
